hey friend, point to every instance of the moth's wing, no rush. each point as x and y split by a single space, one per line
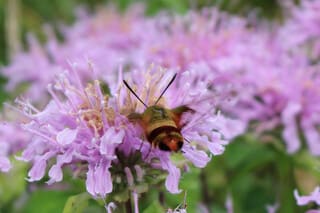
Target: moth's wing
139 119
135 117
178 112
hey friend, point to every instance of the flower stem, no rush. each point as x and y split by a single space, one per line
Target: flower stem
204 188
12 27
287 182
128 206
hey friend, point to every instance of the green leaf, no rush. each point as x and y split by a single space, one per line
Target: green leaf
246 153
303 159
12 184
155 207
76 203
251 193
3 93
48 201
287 183
179 6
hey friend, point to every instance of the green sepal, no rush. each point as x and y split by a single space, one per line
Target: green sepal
122 196
141 188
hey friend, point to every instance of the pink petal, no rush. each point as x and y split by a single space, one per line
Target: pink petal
99 181
5 164
197 157
290 132
55 174
65 157
38 170
110 207
290 135
109 141
67 136
313 197
312 136
90 182
313 211
103 181
172 181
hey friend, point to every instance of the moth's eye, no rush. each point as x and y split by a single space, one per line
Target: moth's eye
164 147
180 143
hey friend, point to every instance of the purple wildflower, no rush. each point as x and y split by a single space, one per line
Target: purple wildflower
107 38
277 90
84 125
33 67
202 129
300 32
186 91
180 41
77 125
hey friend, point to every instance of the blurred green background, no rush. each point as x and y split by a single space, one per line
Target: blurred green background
251 173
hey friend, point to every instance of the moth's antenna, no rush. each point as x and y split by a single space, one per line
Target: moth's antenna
127 85
175 75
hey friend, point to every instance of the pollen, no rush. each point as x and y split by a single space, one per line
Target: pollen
94 110
149 92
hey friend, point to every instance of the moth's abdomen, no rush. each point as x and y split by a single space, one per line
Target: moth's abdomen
166 138
161 130
161 123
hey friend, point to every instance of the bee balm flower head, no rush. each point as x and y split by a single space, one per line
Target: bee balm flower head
84 125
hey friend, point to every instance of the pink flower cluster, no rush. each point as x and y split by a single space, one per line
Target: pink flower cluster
83 125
